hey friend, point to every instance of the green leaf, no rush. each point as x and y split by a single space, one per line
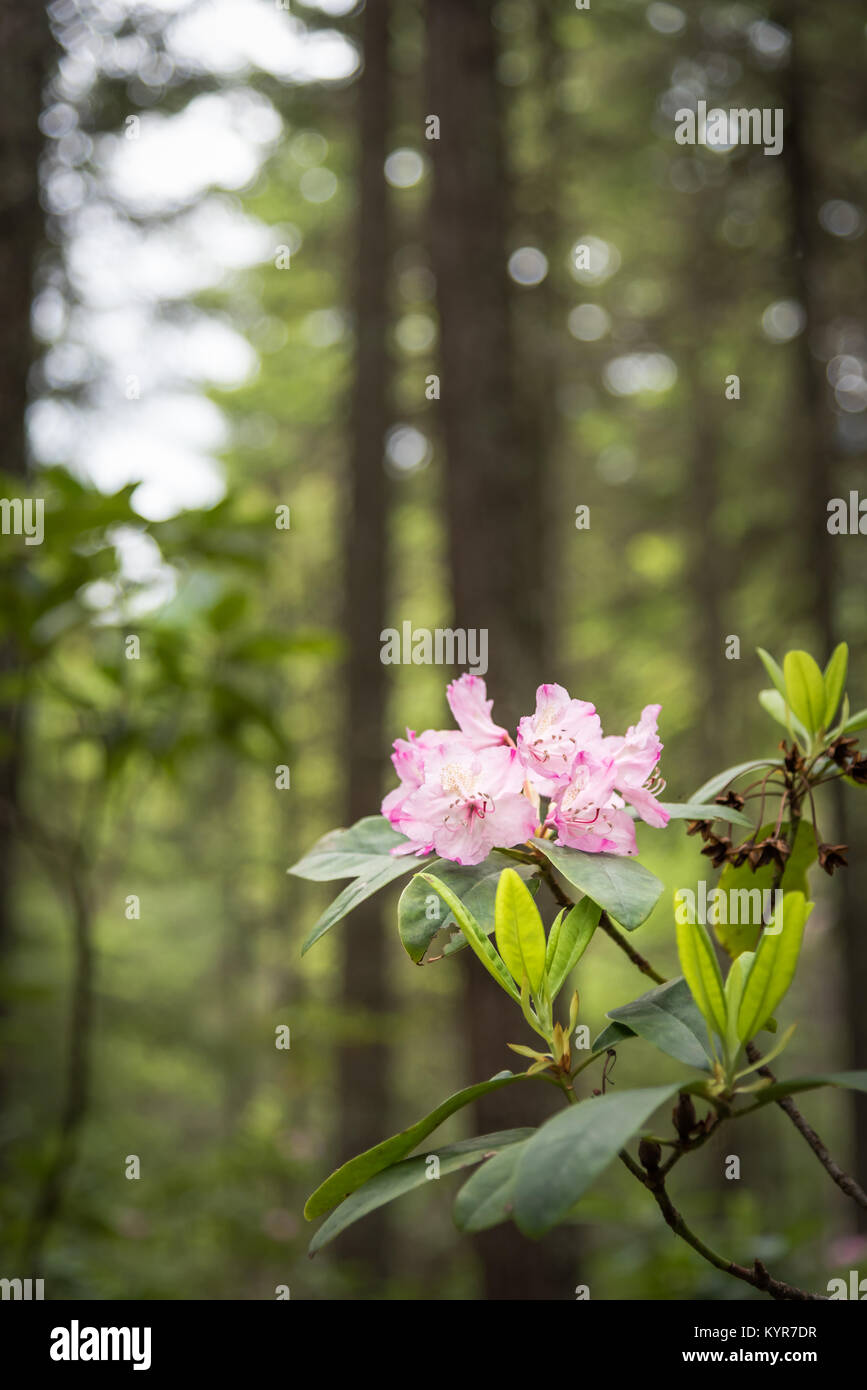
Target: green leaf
573 938
669 1018
702 972
773 966
735 982
351 1175
475 885
487 1198
350 853
612 1036
779 1046
703 810
834 677
855 722
570 1150
476 937
778 1090
363 853
519 931
773 703
744 934
773 669
402 1177
621 886
805 689
717 784
553 938
376 876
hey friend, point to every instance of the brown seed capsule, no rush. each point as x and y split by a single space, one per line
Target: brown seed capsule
649 1154
683 1116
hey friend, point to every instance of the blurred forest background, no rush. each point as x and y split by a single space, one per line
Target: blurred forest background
239 260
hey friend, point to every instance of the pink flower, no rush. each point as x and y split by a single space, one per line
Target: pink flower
471 801
472 712
409 763
635 758
550 740
588 814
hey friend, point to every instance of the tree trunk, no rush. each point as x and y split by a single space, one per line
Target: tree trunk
364 1069
494 499
25 53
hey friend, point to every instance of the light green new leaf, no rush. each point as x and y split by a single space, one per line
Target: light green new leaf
519 931
621 886
402 1177
734 987
805 689
487 1198
574 936
773 669
553 938
568 1152
702 972
476 937
773 965
363 1167
855 722
773 703
744 890
835 681
779 1046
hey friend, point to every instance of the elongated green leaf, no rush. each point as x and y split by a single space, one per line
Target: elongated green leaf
779 1046
745 896
363 1167
735 982
844 1080
385 872
855 722
487 1198
773 669
805 689
773 966
773 703
702 973
351 853
481 902
703 810
834 677
570 1150
553 938
421 913
716 784
402 1177
621 886
574 937
476 937
519 931
668 1017
612 1036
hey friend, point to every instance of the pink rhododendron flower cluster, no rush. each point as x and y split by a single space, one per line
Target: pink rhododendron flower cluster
466 791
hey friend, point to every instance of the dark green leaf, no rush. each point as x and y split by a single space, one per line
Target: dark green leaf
716 784
349 853
363 1167
620 885
569 1152
669 1018
475 885
487 1199
402 1177
702 810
